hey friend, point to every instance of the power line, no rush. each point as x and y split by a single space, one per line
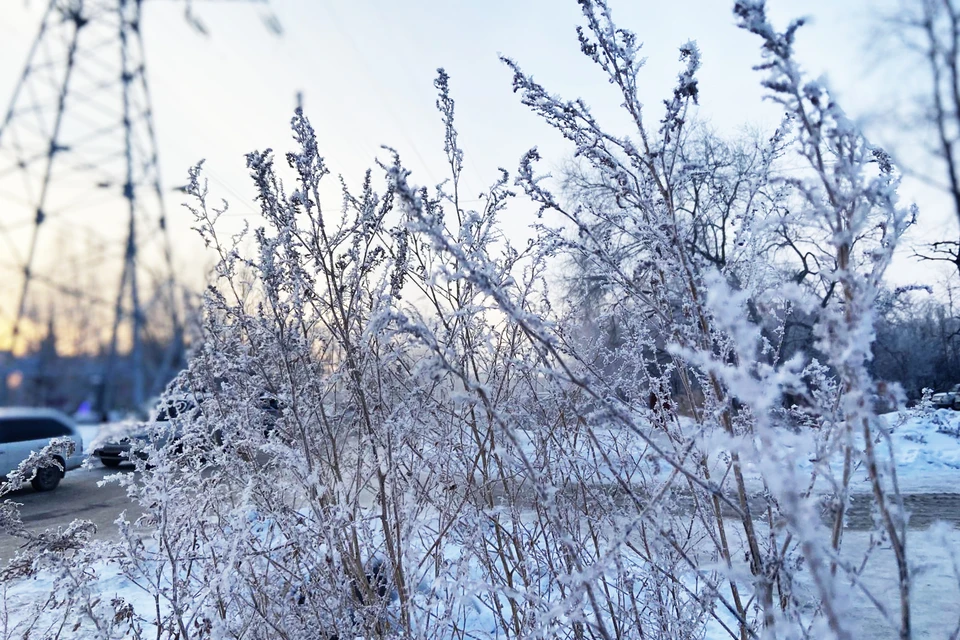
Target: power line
81 113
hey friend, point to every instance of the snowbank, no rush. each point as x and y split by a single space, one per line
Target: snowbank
927 450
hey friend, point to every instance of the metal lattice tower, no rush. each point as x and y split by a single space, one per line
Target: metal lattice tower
79 177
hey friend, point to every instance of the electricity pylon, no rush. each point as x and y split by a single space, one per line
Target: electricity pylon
79 163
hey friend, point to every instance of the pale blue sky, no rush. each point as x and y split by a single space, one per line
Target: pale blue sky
366 69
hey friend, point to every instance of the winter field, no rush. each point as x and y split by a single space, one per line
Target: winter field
927 447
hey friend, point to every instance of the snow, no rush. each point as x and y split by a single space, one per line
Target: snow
927 450
933 553
927 440
927 455
20 598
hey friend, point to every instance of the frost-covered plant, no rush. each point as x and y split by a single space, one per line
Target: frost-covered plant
63 554
640 244
403 431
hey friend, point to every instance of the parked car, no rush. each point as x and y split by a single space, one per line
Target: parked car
114 452
24 430
948 399
164 427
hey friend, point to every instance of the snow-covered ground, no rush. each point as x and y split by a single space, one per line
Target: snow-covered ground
935 608
927 456
927 451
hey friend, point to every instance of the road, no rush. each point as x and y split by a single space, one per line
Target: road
78 496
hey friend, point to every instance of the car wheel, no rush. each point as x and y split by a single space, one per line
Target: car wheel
46 479
113 463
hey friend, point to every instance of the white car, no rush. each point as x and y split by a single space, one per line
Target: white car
24 430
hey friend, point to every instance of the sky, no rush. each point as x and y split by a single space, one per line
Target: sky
365 70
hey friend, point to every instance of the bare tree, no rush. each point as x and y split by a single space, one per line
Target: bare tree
929 31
